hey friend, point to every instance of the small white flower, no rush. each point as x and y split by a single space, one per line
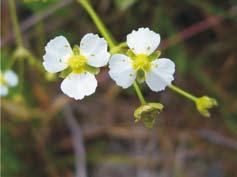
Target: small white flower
158 73
7 79
92 54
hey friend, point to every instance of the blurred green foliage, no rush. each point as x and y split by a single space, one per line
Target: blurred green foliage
11 163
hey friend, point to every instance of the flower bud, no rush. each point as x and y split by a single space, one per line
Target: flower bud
148 113
50 77
204 103
21 53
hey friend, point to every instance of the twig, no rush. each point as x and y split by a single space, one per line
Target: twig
197 28
192 31
42 15
217 138
77 139
49 167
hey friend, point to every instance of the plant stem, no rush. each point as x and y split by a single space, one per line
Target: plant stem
118 47
105 33
19 41
183 93
139 93
21 75
15 25
101 27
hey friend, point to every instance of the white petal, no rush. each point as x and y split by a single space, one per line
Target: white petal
78 86
161 74
95 49
143 41
11 78
121 70
3 90
58 51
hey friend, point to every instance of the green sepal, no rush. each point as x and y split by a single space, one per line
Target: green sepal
154 55
65 72
50 76
141 77
76 50
131 54
148 113
92 69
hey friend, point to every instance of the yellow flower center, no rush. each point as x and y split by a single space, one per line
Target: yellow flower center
141 61
77 63
2 80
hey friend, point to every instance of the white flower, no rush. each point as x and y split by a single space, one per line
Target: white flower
91 54
158 73
7 79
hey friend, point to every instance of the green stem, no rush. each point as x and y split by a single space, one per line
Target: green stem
101 27
32 60
15 25
183 93
105 33
39 31
118 47
21 75
139 93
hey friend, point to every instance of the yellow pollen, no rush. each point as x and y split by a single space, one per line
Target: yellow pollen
77 63
141 61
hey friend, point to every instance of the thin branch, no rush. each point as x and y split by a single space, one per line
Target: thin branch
197 28
192 31
78 142
15 24
217 138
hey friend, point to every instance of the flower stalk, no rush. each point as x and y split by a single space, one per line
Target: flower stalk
118 48
183 93
203 104
98 22
139 93
20 51
15 24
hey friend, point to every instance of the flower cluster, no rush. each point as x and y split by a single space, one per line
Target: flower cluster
7 79
141 62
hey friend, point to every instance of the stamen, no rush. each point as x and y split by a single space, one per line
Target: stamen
77 63
141 62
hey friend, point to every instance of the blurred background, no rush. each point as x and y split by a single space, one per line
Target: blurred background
46 134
